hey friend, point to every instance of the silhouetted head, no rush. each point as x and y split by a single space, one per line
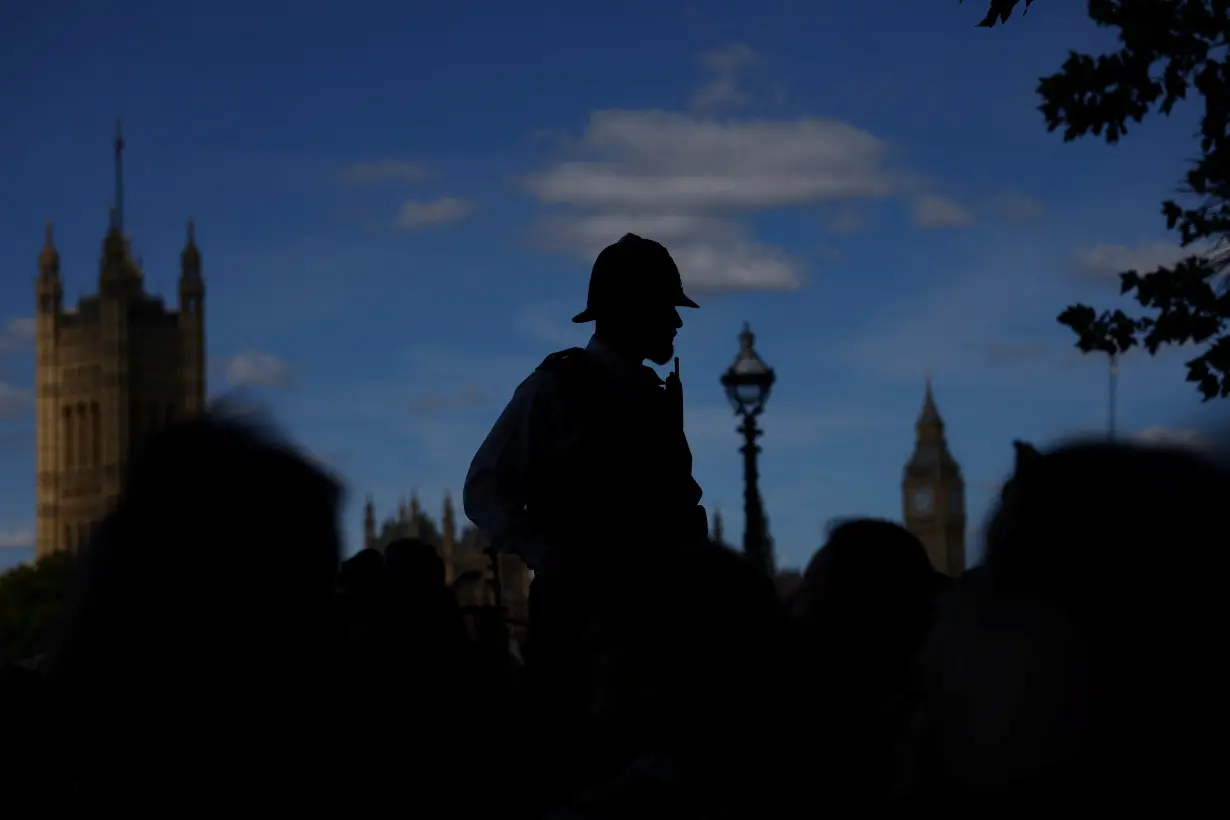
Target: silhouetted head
701 639
225 543
414 562
635 291
363 571
1080 655
1084 526
869 575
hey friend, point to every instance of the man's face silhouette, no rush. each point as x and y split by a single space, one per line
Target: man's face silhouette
654 332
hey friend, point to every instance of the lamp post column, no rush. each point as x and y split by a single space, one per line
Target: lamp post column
748 383
754 544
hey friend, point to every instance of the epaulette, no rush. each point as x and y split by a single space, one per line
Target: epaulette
563 360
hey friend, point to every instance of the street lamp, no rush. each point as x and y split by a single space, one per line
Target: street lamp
748 382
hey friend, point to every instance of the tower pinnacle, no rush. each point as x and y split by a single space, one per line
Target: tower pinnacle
117 213
49 257
929 418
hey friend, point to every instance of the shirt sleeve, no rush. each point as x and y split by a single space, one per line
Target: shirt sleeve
494 495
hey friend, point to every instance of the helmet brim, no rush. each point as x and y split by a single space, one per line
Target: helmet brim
587 315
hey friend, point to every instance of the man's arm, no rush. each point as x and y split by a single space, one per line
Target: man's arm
494 497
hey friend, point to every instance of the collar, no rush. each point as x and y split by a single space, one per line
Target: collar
619 365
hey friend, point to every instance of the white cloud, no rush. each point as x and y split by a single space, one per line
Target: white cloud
16 334
15 402
385 170
254 368
1014 206
667 162
713 253
724 63
414 216
686 182
1108 261
21 538
1173 437
932 212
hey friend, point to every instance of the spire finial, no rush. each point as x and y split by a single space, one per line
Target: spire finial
49 233
930 415
191 231
49 257
117 213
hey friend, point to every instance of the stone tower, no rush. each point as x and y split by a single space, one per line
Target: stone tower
448 537
108 373
933 493
369 524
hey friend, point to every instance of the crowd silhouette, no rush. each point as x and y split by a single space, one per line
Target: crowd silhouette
216 652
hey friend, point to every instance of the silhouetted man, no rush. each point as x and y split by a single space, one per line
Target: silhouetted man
591 452
587 474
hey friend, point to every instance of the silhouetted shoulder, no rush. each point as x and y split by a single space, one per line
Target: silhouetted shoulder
563 361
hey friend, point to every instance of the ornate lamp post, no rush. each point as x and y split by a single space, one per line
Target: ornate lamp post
748 382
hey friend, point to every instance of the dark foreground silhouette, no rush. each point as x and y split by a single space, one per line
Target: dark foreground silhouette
215 654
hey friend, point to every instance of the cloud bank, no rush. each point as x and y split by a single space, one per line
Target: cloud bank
691 180
253 368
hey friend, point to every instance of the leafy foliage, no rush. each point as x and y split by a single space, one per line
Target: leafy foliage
1168 49
1000 10
31 605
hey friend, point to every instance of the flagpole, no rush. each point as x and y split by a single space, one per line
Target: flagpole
1112 395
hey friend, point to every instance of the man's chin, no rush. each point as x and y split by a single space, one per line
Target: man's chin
663 355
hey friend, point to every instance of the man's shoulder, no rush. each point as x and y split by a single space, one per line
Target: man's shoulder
556 371
564 361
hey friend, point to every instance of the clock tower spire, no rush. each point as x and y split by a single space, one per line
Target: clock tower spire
933 492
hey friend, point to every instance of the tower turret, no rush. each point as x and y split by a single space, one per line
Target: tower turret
369 524
108 376
192 324
118 275
50 289
448 537
49 304
416 515
933 491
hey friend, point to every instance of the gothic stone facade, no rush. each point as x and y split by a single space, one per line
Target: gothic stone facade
467 567
109 372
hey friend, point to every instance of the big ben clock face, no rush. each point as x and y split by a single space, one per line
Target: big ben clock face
923 501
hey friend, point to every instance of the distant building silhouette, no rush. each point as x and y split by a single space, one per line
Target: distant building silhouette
108 373
466 563
933 493
716 533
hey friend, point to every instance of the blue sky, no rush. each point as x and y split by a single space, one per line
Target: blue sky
398 204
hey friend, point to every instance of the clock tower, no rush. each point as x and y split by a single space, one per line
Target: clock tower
933 493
